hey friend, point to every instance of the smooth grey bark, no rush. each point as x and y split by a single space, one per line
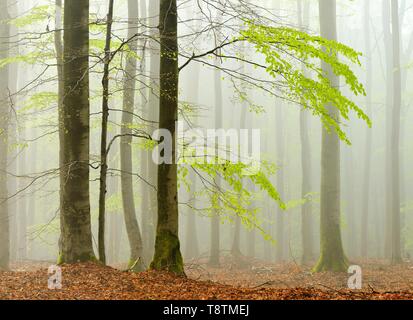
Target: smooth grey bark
131 222
167 254
58 43
22 204
13 137
395 137
149 168
406 54
191 232
214 256
368 143
75 242
306 163
4 133
388 48
236 242
332 256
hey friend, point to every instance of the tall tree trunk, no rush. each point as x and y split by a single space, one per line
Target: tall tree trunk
13 136
167 247
395 136
368 143
150 170
387 38
131 222
403 147
58 42
332 256
236 242
191 240
76 235
104 136
306 164
214 257
4 127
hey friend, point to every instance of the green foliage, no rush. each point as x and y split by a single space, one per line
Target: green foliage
287 50
39 101
36 15
231 197
33 57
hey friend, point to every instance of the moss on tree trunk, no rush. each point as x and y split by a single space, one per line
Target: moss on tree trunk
167 249
167 253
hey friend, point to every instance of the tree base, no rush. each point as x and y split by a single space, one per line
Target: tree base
325 264
167 255
136 265
89 257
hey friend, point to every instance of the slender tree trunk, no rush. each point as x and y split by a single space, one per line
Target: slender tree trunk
306 164
191 241
58 42
167 247
403 147
387 37
13 136
236 243
395 136
368 145
332 256
149 201
22 207
214 258
13 188
76 235
131 222
104 136
4 127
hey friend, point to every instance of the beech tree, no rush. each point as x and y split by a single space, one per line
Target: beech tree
75 225
167 246
131 221
332 256
5 109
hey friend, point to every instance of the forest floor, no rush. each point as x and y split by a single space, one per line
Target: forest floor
254 280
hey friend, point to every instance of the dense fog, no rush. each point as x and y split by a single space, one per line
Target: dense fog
226 88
